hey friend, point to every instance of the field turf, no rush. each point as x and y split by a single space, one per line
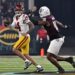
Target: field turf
15 64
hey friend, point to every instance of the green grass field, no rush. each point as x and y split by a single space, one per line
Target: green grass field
15 64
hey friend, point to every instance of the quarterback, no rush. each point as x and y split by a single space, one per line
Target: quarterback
25 26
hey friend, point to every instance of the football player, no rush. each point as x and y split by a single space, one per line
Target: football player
56 40
25 26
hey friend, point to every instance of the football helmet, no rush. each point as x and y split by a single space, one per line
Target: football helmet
19 9
44 11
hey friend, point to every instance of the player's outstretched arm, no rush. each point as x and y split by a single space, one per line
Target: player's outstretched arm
41 22
60 24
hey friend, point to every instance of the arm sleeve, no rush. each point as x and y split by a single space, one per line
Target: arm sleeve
13 24
26 19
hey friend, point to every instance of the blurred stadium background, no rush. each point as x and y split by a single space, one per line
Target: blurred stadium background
63 10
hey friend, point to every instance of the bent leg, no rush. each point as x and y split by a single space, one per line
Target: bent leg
54 61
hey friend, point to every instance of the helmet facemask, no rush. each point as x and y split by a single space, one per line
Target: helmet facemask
18 12
19 9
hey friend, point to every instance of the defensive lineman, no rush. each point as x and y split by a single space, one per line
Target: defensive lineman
56 40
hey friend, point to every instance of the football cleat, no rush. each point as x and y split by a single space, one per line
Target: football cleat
73 64
27 64
71 61
61 71
39 69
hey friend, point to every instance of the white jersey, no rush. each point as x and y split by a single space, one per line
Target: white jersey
21 22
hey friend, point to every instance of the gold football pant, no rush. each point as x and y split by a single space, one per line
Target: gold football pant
23 44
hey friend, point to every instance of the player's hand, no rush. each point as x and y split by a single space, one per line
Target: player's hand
65 26
6 23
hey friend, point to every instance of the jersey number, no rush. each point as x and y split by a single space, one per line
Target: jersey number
18 26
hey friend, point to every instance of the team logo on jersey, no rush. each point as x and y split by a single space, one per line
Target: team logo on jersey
8 36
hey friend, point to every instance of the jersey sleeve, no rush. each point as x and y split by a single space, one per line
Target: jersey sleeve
26 19
50 18
13 23
53 18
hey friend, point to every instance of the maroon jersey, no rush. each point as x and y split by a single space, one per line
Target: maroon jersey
51 30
